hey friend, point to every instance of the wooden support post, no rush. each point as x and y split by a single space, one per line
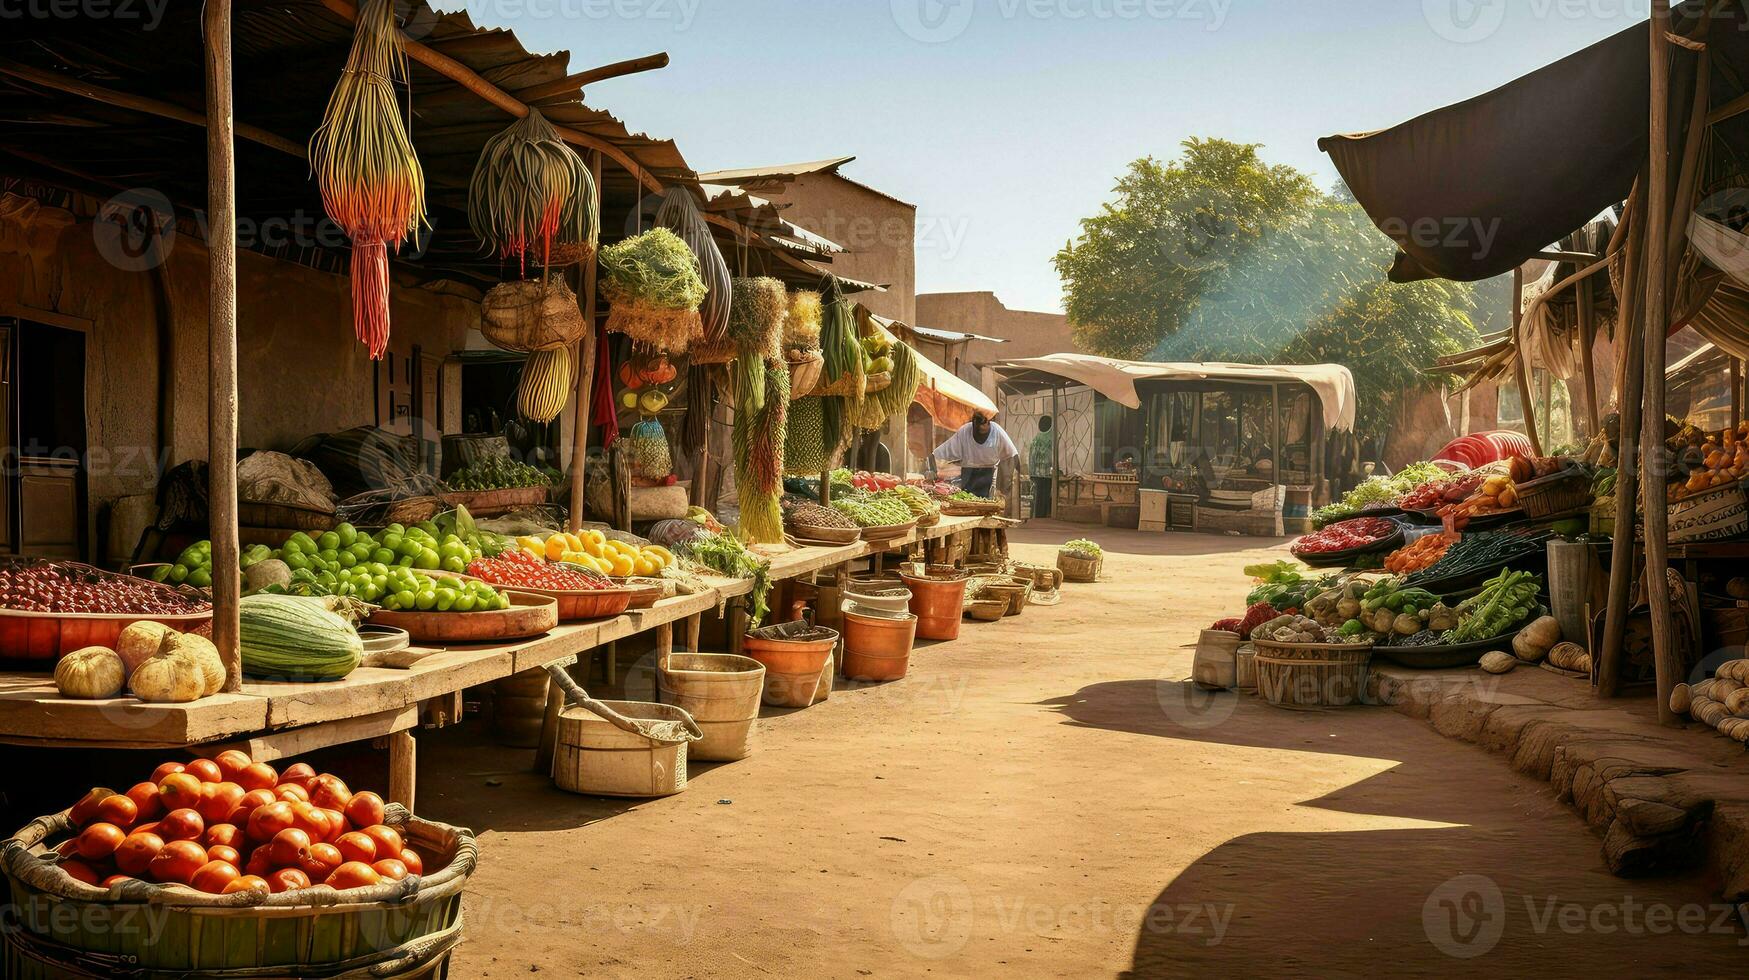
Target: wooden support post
1630 381
403 760
549 729
1525 397
825 488
664 643
694 623
586 355
737 625
222 340
1056 449
1588 369
1736 393
610 663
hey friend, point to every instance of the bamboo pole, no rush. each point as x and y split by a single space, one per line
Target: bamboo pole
1525 397
585 381
221 183
1629 383
1736 393
577 81
1655 341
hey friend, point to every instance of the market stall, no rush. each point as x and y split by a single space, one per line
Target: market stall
1230 442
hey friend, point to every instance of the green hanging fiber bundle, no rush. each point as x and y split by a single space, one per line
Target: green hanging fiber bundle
840 343
750 384
759 452
897 396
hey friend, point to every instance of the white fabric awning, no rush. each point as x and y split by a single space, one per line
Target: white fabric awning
948 398
1116 380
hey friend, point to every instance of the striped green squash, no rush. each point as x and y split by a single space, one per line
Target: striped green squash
292 638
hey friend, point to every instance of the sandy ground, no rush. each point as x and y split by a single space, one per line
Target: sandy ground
1046 797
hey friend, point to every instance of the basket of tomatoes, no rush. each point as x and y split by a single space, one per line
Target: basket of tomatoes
1344 542
227 867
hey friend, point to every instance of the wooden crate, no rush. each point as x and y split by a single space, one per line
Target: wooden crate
1213 520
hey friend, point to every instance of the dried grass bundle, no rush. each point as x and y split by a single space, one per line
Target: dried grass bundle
802 330
530 191
759 449
369 175
757 317
679 213
652 282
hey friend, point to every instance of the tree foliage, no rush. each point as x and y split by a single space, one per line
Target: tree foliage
1221 256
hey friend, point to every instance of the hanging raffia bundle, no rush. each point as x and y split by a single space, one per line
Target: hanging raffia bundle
759 452
653 284
532 195
371 181
757 317
679 214
801 331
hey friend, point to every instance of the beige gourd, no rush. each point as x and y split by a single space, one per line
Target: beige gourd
1533 642
1499 662
186 667
545 384
90 674
140 642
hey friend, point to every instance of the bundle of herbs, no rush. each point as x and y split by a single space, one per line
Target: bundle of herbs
679 213
371 182
654 285
759 449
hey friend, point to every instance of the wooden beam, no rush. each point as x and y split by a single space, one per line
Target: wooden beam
222 341
141 103
1630 381
1731 109
1562 255
1587 318
1523 361
618 69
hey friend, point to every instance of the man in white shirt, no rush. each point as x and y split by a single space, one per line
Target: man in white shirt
979 447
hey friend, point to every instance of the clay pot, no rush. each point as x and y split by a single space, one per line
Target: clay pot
939 605
877 647
792 667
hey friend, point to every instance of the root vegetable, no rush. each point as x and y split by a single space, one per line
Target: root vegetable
1681 699
1534 641
1499 663
1737 703
1406 625
1570 656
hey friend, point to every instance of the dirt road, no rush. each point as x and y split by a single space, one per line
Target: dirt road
1044 797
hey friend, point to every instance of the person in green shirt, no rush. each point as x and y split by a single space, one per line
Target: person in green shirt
1041 464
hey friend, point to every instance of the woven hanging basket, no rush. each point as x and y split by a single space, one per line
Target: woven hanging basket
537 315
845 386
719 351
805 369
564 254
652 327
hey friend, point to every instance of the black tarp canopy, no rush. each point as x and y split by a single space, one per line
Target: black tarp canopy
1471 191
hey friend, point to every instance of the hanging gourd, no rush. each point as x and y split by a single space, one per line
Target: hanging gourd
546 384
532 196
371 181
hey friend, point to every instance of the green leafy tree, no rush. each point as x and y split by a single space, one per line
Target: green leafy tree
1220 256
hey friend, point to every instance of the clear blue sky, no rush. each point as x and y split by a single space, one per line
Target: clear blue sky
1013 126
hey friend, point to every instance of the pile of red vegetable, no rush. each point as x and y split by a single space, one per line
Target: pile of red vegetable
1256 616
516 568
1345 536
37 585
231 824
874 482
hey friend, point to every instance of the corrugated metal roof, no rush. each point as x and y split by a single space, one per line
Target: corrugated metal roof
782 171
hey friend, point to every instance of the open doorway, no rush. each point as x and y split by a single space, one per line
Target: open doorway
45 494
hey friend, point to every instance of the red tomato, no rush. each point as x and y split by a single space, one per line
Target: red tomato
291 793
99 841
357 847
391 869
260 864
310 819
181 825
330 792
135 854
223 835
354 874
214 877
298 773
180 791
320 861
80 871
144 828
266 822
177 862
221 852
254 799
337 825
288 847
288 880
415 864
145 797
388 839
258 775
119 810
166 769
206 770
365 809
249 883
231 762
114 880
85 811
219 800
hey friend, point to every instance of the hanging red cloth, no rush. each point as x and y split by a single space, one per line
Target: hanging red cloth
603 410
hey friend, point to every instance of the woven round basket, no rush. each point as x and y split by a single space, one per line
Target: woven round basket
1077 569
1312 675
845 386
537 315
652 327
804 372
719 351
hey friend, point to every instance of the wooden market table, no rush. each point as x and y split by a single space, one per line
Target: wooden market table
277 720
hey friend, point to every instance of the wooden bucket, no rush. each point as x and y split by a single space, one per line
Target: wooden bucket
519 706
1722 512
1312 675
722 693
598 759
1076 569
59 928
1216 665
